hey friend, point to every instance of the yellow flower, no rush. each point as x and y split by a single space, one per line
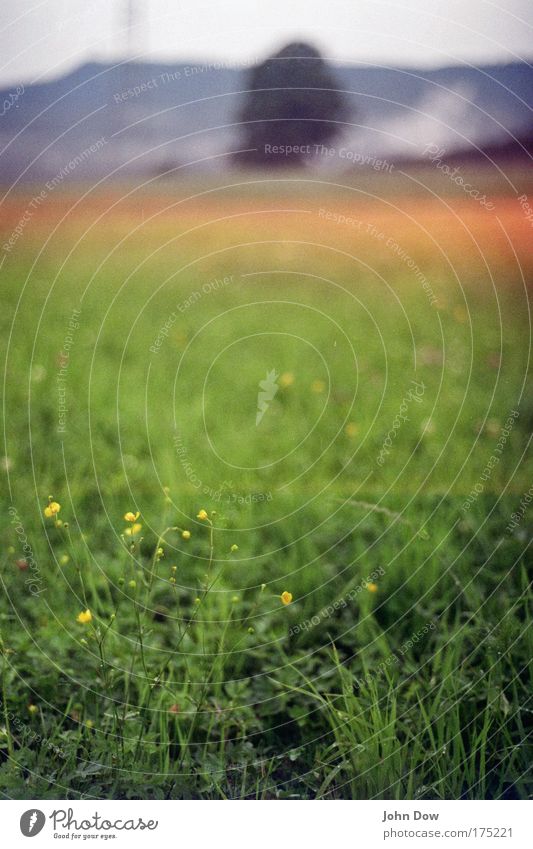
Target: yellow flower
202 515
135 528
52 509
186 534
84 617
64 559
351 430
286 379
234 547
131 517
318 386
286 597
372 588
33 709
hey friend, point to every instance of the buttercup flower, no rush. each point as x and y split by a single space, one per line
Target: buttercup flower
84 617
51 509
234 547
131 517
186 534
202 515
135 528
33 709
286 597
372 588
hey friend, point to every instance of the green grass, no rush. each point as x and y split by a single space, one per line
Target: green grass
193 680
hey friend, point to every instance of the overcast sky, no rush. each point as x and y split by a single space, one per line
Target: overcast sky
44 38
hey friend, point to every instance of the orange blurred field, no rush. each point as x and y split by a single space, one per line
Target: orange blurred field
457 232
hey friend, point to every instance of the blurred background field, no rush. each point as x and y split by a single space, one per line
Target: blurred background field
334 308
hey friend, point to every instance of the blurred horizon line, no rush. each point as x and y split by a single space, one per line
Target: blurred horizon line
241 64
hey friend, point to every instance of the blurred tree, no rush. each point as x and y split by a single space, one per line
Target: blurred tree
292 102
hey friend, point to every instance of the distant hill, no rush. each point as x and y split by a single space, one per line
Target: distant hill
143 119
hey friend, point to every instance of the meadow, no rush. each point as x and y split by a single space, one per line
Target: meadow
320 591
